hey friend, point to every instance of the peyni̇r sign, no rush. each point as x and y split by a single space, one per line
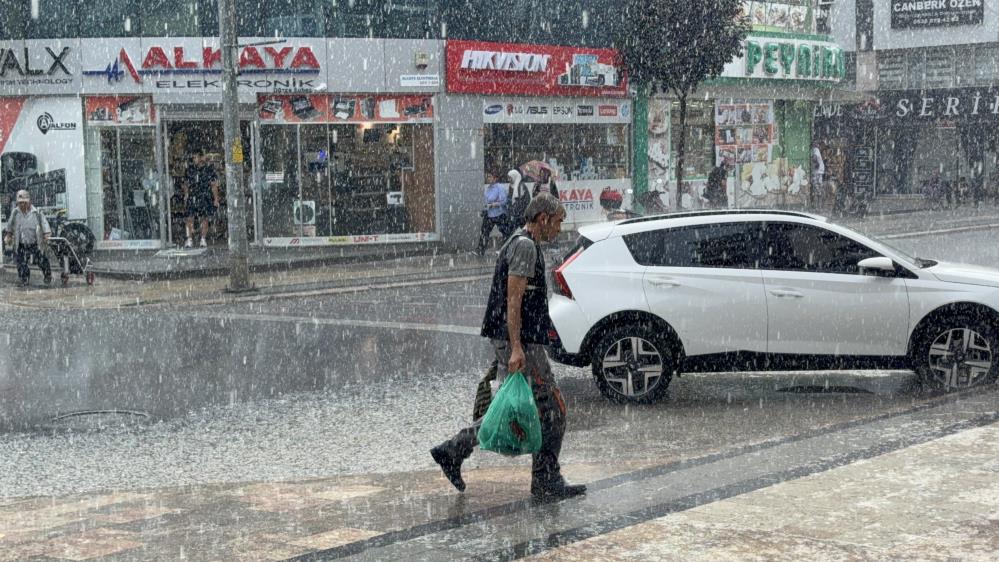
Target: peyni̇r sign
788 59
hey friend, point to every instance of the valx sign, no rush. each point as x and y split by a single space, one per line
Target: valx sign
37 64
788 59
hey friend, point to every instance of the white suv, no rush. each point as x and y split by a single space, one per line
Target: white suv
644 299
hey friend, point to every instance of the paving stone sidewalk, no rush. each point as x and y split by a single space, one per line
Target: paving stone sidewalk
924 488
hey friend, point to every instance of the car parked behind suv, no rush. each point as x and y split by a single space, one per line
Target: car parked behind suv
645 299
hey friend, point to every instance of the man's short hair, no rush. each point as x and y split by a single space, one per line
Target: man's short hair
542 203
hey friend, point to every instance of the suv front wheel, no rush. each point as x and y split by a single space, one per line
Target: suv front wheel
958 352
634 363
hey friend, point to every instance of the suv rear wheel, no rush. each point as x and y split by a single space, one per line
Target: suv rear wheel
958 352
634 363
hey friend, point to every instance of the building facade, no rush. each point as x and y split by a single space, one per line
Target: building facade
350 131
757 118
930 72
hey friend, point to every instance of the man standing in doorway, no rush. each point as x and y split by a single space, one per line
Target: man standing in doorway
201 195
517 323
817 193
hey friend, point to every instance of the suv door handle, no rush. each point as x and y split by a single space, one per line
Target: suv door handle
663 282
787 293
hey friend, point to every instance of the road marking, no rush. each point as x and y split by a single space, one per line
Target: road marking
303 320
939 231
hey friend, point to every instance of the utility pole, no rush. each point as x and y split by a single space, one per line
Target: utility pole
239 267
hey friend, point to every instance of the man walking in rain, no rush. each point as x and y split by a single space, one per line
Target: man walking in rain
29 232
517 323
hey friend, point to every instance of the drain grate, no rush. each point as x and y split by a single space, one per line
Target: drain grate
816 389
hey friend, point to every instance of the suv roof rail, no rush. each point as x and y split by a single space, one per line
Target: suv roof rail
722 212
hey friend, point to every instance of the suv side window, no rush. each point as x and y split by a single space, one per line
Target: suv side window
730 245
802 247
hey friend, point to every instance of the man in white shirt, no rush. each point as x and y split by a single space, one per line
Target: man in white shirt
29 232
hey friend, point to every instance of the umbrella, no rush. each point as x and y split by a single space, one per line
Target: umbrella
537 170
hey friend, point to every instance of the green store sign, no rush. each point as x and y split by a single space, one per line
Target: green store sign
790 59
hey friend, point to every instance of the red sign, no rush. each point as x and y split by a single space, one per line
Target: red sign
477 67
10 111
120 110
336 108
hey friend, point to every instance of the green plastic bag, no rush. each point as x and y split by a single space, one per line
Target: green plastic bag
511 425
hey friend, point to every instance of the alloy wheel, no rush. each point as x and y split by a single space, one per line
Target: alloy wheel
632 366
960 358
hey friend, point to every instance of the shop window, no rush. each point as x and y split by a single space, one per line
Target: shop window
56 19
891 70
349 179
986 65
282 18
171 18
577 151
699 150
823 17
916 69
129 191
116 18
939 68
14 20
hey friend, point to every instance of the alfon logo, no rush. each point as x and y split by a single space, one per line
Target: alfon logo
46 123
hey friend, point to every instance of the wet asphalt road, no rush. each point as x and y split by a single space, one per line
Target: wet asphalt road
314 387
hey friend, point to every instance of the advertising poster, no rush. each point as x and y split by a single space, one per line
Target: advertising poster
744 133
41 141
478 67
926 14
337 108
120 110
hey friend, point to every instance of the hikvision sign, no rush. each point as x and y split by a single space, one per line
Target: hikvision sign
499 60
482 67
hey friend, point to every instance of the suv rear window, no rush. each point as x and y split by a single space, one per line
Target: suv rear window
732 245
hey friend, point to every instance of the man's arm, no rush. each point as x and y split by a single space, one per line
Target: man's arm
215 191
515 288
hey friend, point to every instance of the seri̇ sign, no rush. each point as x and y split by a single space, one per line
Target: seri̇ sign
936 13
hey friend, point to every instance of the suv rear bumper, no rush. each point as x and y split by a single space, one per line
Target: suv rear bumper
560 355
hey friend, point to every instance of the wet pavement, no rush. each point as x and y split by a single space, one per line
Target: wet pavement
277 428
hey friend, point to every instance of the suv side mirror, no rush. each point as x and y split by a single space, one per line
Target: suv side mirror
880 264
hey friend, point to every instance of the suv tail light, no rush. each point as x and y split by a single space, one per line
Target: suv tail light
561 286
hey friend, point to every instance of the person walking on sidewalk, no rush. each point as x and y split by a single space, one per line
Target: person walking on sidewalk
517 323
29 233
494 214
817 193
201 194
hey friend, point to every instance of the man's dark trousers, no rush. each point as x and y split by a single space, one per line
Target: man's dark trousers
502 222
545 469
24 253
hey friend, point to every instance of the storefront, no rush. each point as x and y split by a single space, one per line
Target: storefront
756 119
563 106
107 134
346 168
914 138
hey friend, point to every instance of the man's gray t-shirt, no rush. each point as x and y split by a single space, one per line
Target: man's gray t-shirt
522 255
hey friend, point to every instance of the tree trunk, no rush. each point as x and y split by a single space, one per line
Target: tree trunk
681 148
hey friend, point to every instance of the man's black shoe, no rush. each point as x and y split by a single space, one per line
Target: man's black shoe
556 493
48 279
450 465
22 283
